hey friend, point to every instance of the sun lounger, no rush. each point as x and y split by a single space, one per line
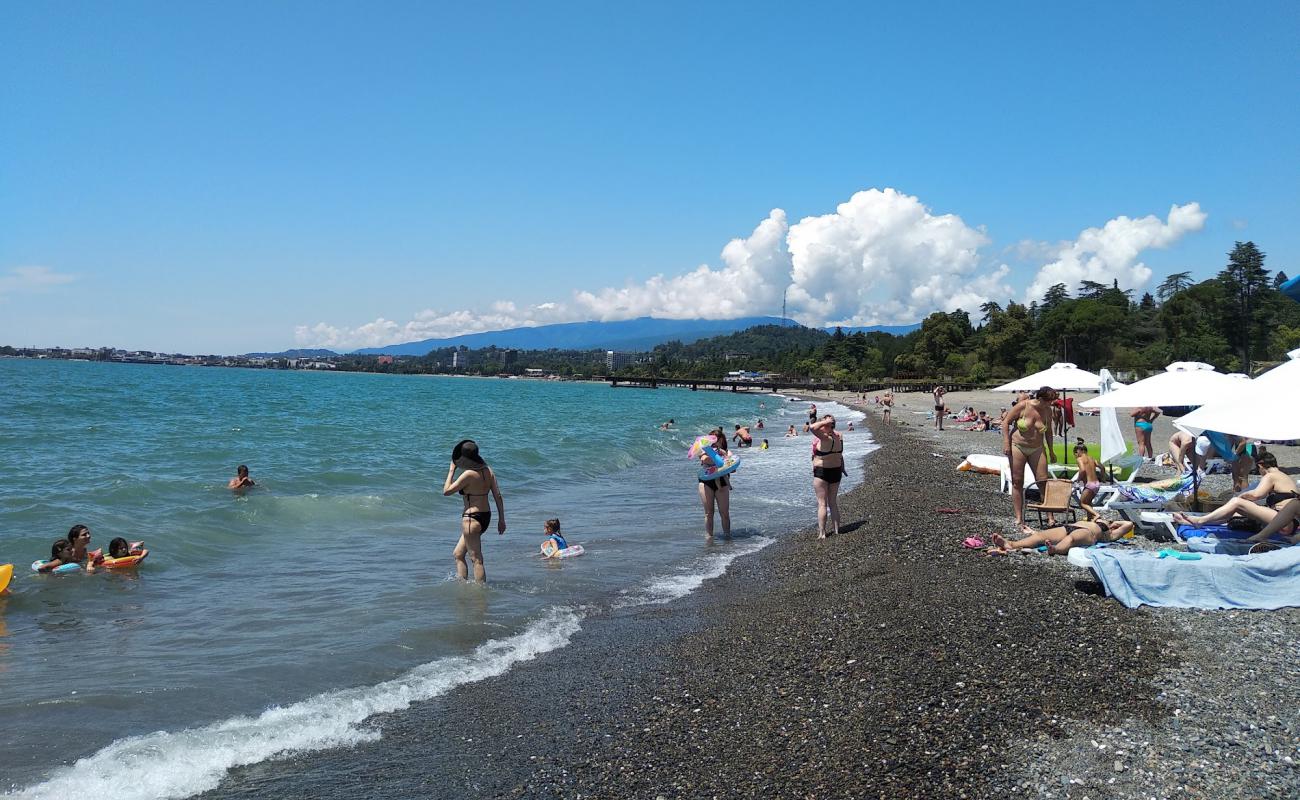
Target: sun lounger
1213 581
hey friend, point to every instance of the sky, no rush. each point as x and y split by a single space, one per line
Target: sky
230 177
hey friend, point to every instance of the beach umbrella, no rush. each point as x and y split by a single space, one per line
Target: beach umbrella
1063 376
1257 409
1112 439
1183 383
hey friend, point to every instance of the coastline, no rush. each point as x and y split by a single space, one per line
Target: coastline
885 662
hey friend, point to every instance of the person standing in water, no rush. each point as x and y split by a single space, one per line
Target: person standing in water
716 492
474 484
828 470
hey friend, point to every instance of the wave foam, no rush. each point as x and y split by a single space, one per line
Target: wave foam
666 588
183 763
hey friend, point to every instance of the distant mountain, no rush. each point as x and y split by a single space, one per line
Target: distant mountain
307 353
894 330
631 335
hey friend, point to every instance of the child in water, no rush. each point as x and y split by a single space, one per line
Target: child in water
764 447
61 553
553 538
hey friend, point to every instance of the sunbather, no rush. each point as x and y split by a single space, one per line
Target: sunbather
1060 539
1275 488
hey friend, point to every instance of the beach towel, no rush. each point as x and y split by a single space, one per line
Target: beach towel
1263 581
1212 544
1221 532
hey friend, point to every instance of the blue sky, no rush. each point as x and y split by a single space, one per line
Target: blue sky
226 177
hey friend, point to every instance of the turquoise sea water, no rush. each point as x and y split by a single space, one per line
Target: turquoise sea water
280 620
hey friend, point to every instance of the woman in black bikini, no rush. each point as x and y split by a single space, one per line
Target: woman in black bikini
1276 488
474 484
828 470
1060 539
716 491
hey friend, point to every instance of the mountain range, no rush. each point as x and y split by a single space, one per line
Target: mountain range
634 335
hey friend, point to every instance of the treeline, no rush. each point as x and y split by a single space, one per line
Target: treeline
1235 319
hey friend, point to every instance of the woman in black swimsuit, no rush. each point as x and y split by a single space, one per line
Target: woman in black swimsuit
474 484
828 470
1275 488
716 492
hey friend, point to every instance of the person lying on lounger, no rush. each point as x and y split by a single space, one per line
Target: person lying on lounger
1060 539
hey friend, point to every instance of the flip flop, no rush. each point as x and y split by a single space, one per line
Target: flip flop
972 542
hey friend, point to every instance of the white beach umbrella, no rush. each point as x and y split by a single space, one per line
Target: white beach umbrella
1063 375
1112 439
1259 409
1183 383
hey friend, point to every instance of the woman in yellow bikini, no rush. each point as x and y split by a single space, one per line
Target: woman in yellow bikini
1025 430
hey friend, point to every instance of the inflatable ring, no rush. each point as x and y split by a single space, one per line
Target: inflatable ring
62 568
125 561
730 464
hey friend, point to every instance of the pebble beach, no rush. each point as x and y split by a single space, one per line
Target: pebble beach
886 661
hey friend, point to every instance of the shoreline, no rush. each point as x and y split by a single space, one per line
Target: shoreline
884 662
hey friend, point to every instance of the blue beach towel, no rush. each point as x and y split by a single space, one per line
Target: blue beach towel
1212 544
1222 532
1263 581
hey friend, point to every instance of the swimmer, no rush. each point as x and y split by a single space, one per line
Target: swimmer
764 447
60 554
121 548
742 437
241 480
552 531
850 424
667 425
79 538
1060 539
828 471
791 432
474 484
759 426
716 492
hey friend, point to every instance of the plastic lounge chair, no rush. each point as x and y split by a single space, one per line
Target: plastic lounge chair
1056 499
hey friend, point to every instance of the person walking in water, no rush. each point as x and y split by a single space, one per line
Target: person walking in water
716 492
474 484
828 471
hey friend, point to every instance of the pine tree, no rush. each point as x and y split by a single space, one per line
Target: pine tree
1243 279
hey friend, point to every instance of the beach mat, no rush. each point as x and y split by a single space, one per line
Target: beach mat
1263 581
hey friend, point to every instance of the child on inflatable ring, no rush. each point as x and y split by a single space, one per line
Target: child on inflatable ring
554 541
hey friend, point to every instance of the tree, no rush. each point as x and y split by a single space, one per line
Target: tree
1056 294
1243 280
1148 302
988 309
1279 279
1174 284
1091 290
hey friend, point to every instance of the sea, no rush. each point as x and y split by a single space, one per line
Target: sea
278 621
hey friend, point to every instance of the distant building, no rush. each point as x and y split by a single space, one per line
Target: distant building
385 360
460 359
616 360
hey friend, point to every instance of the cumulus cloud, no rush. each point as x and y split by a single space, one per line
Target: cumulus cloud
882 257
1111 252
32 279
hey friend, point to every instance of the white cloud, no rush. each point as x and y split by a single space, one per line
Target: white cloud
881 258
1111 252
32 279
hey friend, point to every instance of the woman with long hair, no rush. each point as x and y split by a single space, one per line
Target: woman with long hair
716 492
474 484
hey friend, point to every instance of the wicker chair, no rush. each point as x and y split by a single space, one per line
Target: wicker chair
1056 494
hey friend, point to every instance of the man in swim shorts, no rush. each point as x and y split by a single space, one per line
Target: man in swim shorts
939 392
742 437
